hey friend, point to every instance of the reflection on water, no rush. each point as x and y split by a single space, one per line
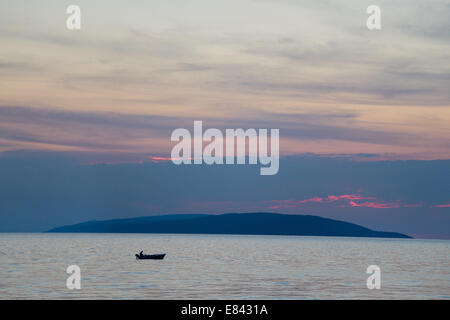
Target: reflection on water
33 266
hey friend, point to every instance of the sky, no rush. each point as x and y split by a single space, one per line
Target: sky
105 99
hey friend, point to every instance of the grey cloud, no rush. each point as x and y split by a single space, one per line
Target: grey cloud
384 91
192 67
99 130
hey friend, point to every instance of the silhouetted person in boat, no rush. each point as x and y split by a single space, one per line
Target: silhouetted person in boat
141 255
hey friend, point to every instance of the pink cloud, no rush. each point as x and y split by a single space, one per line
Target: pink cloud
348 199
380 205
290 203
315 199
158 159
442 205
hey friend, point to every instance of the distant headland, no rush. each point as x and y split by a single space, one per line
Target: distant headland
258 223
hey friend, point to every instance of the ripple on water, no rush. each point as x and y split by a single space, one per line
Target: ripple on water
33 266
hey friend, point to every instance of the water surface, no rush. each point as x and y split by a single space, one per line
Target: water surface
33 266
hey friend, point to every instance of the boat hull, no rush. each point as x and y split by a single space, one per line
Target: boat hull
151 257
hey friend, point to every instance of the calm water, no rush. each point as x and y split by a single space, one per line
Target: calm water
33 266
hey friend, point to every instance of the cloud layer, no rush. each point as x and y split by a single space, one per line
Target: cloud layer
311 69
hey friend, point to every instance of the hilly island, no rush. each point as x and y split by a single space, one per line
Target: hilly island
258 223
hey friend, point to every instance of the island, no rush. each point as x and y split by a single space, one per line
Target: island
258 223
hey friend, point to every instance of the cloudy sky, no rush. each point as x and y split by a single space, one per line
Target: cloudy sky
113 92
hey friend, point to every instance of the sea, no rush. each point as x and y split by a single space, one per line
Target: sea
34 266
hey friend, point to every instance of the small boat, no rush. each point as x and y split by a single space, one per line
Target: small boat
150 256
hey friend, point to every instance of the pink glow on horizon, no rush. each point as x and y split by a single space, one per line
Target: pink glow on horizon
381 205
349 199
314 199
291 203
442 205
158 159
